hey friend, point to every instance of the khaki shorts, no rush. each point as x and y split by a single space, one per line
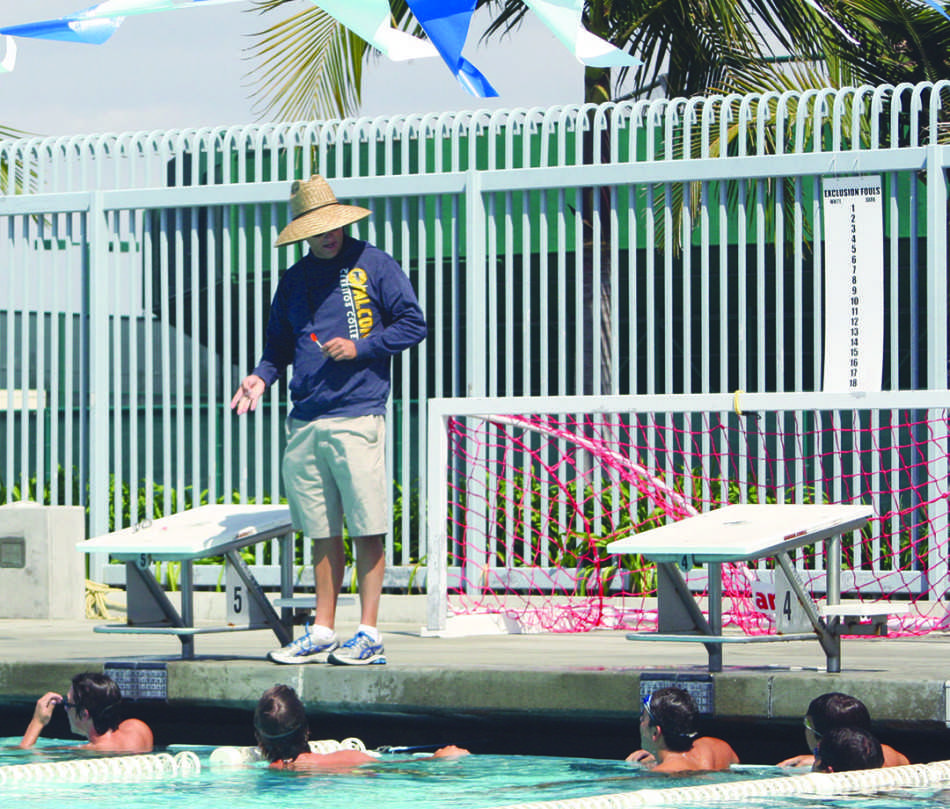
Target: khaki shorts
336 467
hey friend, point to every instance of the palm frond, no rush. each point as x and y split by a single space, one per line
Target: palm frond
901 41
308 66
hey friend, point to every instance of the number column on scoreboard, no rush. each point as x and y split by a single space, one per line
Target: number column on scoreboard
854 284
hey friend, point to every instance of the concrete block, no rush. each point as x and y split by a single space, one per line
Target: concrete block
889 699
742 694
42 575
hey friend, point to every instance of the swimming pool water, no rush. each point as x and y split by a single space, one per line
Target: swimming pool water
472 782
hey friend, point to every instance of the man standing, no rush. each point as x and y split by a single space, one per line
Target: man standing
338 316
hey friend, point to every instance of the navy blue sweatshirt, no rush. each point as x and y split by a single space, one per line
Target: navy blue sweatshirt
361 294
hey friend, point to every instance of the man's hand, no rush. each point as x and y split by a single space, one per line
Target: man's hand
246 396
42 714
340 349
641 757
43 711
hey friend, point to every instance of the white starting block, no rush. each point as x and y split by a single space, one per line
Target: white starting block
214 530
744 532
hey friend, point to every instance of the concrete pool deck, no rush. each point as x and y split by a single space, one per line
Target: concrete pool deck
579 678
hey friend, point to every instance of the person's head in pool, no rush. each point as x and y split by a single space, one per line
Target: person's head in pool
674 712
834 710
670 739
837 710
93 706
280 724
94 699
848 748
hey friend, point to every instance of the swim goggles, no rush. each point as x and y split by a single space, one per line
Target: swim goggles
646 707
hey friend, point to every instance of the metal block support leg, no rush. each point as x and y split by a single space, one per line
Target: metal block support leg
255 592
827 634
714 588
287 578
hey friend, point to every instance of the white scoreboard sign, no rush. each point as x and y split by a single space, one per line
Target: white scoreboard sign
854 283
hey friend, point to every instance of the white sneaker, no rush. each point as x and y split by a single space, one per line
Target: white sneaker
305 649
360 650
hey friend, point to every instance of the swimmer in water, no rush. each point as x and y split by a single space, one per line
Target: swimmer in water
92 705
283 735
669 738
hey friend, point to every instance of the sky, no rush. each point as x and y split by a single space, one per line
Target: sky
187 68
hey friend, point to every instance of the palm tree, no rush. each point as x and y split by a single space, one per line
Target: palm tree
685 45
889 42
307 65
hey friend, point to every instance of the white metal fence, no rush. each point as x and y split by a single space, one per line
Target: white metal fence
660 247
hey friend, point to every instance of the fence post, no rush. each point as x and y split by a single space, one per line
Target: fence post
936 269
438 515
99 375
476 341
936 342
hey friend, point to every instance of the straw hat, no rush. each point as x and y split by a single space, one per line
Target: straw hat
314 210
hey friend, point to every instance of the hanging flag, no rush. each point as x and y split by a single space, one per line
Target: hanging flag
96 24
369 20
446 23
933 4
563 17
9 57
72 28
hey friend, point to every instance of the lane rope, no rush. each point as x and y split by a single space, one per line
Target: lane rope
148 766
813 784
230 756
